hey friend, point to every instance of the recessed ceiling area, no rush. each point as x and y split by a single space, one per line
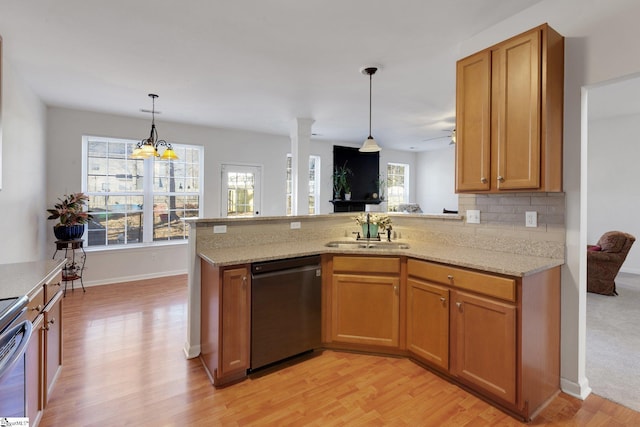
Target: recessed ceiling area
254 65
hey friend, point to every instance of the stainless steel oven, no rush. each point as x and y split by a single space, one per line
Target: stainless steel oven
15 332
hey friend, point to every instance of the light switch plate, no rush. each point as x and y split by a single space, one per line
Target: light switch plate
219 229
473 216
531 219
295 225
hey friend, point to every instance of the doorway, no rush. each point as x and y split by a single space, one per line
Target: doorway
241 190
612 340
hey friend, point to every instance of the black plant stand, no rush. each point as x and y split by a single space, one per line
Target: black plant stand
74 267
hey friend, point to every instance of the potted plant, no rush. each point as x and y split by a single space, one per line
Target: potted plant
71 216
372 223
381 183
341 181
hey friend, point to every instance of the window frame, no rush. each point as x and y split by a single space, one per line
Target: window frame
148 193
405 187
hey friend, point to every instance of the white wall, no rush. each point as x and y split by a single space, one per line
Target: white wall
436 180
613 198
22 198
599 39
66 128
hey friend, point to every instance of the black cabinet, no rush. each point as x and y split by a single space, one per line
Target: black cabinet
352 205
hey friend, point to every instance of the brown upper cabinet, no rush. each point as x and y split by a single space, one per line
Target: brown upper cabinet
509 115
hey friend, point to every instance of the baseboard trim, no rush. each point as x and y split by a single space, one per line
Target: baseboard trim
579 390
121 279
191 351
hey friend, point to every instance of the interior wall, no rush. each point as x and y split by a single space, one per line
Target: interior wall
436 180
613 176
598 36
22 201
64 163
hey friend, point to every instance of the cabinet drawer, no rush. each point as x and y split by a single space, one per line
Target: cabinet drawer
486 284
52 287
366 264
36 303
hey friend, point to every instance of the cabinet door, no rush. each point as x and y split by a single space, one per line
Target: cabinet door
34 371
366 309
428 322
473 123
516 112
484 333
235 321
52 343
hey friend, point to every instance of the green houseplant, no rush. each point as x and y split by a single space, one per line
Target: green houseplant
341 180
71 216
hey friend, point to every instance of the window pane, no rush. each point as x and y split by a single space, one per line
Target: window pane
397 180
115 184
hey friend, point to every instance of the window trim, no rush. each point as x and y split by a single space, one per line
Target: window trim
147 193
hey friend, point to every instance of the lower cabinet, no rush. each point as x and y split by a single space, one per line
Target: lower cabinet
428 322
52 344
484 344
365 301
43 357
504 332
225 322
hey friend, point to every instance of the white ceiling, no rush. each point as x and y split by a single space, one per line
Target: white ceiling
254 64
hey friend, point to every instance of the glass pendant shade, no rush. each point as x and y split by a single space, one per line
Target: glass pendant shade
370 146
169 154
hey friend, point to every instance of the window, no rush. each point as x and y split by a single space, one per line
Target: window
139 201
314 185
397 185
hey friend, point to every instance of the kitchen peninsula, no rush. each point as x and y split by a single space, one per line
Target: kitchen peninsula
481 308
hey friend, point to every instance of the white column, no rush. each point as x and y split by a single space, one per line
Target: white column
300 151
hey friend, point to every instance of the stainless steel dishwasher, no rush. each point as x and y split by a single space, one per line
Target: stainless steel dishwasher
285 309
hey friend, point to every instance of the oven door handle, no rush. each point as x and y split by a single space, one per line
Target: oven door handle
12 350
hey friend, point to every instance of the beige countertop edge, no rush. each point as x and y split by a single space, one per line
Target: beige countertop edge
22 278
479 259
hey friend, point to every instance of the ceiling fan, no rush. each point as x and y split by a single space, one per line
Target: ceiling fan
451 136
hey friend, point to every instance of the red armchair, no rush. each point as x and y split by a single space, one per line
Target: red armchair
604 261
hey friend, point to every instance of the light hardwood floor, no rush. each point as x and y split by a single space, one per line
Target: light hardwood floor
124 365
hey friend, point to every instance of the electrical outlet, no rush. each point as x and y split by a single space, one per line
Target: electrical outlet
473 216
531 219
295 225
219 229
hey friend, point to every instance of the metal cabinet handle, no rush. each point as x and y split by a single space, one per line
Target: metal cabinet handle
49 323
459 305
37 308
443 299
244 282
450 277
483 180
500 178
395 289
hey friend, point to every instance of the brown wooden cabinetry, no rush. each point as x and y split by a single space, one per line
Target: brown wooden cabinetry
43 359
365 301
52 338
504 338
509 115
484 344
428 321
225 321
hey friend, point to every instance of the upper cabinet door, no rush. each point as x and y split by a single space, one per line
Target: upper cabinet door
509 115
473 118
516 113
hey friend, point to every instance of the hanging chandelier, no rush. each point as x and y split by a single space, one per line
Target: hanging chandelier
148 148
369 145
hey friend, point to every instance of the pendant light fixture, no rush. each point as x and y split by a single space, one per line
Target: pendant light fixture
148 148
370 145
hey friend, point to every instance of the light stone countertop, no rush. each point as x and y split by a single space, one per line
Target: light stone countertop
490 261
21 278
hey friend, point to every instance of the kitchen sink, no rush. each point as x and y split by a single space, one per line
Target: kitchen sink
367 245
